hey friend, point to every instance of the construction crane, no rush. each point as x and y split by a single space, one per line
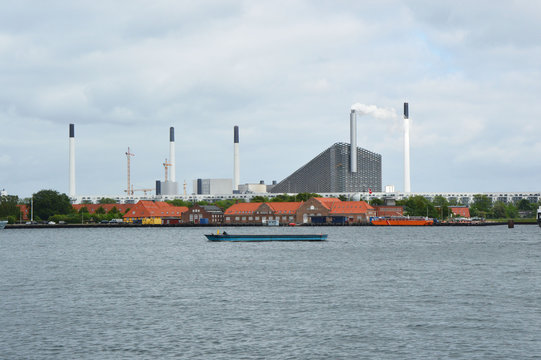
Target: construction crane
166 165
143 190
129 189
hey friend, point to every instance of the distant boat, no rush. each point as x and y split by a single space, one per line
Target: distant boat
3 224
539 216
402 221
267 237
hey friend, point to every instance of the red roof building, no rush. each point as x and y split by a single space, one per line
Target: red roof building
107 207
153 212
241 213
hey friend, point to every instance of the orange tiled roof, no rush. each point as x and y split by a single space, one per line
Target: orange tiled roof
284 207
327 202
242 208
107 207
350 207
147 208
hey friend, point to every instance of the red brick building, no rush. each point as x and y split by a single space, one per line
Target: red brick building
199 214
242 213
462 211
388 210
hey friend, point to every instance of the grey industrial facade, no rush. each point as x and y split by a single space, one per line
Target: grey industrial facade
330 172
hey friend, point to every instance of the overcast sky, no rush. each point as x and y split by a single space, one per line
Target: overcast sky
286 72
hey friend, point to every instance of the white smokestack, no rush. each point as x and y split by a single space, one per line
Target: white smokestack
172 172
236 169
363 109
72 161
353 142
407 180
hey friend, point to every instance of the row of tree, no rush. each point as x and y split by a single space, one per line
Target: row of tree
482 206
51 205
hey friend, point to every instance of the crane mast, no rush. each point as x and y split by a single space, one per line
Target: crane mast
129 189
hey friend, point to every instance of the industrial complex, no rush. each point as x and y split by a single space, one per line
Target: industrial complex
342 169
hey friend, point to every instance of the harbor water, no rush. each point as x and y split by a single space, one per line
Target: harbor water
366 293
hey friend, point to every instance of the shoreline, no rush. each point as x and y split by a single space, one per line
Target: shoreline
87 226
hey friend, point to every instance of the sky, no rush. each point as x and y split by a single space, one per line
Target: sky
286 72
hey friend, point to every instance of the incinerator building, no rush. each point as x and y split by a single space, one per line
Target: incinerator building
335 171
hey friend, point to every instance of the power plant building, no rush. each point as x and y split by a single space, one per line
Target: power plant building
212 186
331 172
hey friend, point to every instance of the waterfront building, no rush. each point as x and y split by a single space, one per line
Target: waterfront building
154 212
332 210
203 214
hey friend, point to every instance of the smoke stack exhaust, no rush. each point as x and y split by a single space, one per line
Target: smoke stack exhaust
407 179
172 171
236 169
72 161
353 140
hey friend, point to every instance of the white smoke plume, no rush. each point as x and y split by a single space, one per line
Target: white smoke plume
374 111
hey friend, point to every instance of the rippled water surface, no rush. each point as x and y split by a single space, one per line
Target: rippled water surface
376 293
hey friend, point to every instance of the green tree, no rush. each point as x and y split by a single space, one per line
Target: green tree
525 205
306 196
105 200
259 199
442 206
100 210
114 211
482 206
50 202
499 210
84 209
224 204
282 198
179 202
511 211
419 206
8 206
376 201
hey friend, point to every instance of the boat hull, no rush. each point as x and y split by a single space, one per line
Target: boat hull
3 224
267 237
402 222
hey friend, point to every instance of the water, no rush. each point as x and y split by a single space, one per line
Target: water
375 293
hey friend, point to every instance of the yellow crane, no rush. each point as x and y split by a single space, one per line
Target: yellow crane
166 165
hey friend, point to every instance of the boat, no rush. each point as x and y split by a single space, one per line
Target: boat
3 224
539 216
402 221
266 237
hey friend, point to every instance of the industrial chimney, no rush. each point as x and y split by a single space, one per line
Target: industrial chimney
353 142
172 171
72 161
407 183
236 170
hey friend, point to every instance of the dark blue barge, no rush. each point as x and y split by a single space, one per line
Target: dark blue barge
267 237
